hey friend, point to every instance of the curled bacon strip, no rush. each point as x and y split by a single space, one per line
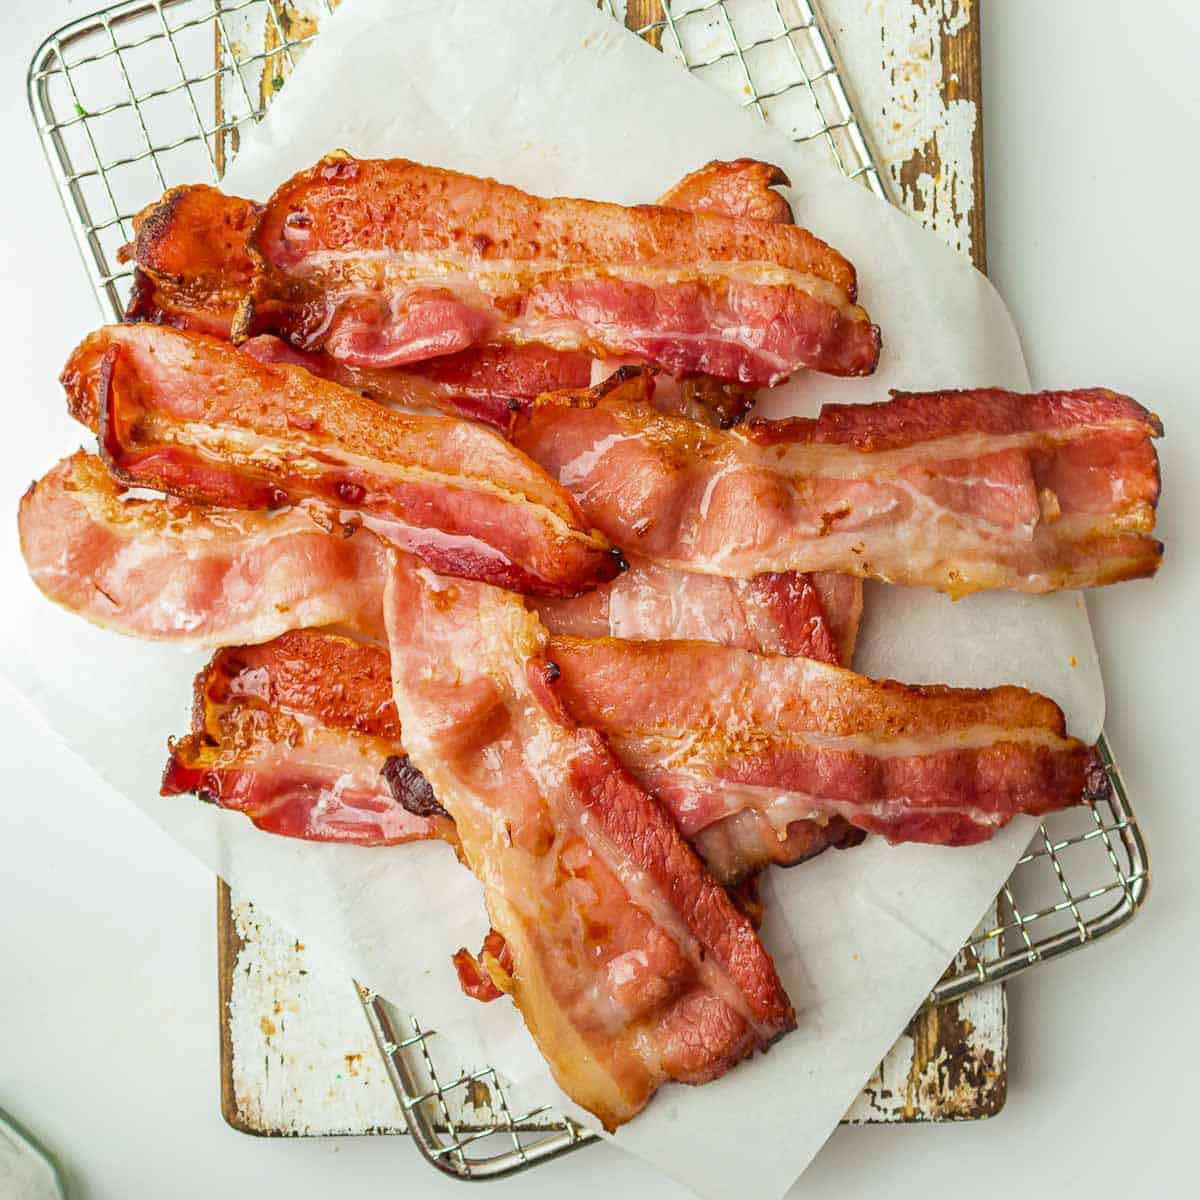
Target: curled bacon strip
741 188
714 731
477 976
194 417
193 266
959 491
386 262
630 966
166 570
310 758
301 735
194 271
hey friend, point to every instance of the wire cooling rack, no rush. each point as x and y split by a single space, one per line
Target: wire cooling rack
151 93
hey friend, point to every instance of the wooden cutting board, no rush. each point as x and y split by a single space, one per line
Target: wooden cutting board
297 1058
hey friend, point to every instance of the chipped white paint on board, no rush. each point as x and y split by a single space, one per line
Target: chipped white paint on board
922 128
293 1034
303 1059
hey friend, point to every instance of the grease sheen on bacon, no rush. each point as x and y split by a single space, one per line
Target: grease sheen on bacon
301 735
630 966
193 271
773 614
386 262
195 417
163 569
761 759
960 491
713 731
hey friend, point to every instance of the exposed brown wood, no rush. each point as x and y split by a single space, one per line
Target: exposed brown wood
640 14
962 71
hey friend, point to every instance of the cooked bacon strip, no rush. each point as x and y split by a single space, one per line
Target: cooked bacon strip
764 759
193 416
741 188
255 704
630 966
301 735
194 271
712 731
959 491
386 262
772 614
193 266
166 570
479 980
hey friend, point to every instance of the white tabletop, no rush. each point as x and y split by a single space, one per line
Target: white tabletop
1092 125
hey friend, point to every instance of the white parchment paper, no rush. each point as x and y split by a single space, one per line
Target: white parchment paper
557 98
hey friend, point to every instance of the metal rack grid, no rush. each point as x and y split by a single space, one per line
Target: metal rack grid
119 100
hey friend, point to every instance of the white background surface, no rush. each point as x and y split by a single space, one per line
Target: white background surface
107 929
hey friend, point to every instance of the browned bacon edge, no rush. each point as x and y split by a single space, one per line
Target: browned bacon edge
706 726
337 246
763 759
742 187
301 735
193 416
960 491
630 965
193 270
192 266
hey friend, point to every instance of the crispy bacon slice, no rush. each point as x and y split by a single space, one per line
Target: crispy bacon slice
301 735
714 731
194 271
479 980
255 704
193 416
193 265
165 570
386 262
959 491
743 187
630 966
765 759
772 614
